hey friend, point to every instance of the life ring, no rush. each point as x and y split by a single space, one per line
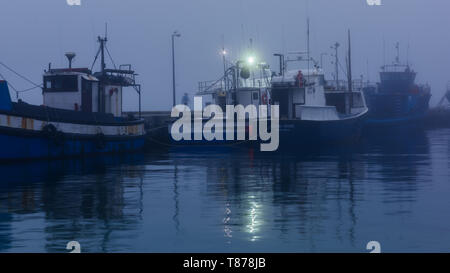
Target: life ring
53 134
49 130
264 98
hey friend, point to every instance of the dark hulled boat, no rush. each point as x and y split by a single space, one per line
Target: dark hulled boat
313 113
396 101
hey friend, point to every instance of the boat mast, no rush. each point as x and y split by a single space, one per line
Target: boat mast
407 55
384 54
307 45
349 72
397 58
102 42
349 68
336 63
307 39
101 87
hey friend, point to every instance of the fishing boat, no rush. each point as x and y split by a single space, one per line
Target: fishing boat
81 115
396 102
312 109
244 83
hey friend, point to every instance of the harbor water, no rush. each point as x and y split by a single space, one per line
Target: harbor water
393 189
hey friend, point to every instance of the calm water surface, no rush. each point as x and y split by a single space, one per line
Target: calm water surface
394 190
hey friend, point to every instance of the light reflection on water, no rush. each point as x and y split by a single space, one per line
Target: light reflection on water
393 190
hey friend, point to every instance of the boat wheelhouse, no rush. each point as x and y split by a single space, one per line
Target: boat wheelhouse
71 89
312 111
241 84
78 89
305 95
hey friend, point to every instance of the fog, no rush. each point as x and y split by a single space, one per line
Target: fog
34 33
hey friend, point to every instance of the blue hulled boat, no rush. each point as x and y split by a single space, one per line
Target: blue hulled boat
396 102
81 115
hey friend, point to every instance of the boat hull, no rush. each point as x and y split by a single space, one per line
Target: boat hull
297 133
398 123
31 132
26 144
394 107
302 133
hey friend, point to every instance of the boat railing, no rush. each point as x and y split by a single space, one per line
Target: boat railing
223 84
255 83
396 67
208 87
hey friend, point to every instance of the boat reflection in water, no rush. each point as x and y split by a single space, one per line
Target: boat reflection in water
335 200
73 199
235 200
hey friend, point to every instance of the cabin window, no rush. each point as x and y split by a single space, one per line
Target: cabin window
64 83
48 84
298 96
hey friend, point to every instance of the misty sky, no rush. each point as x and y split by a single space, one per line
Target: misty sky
36 32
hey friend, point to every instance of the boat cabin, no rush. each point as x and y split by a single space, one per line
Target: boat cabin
78 89
234 89
396 78
303 94
71 89
295 90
